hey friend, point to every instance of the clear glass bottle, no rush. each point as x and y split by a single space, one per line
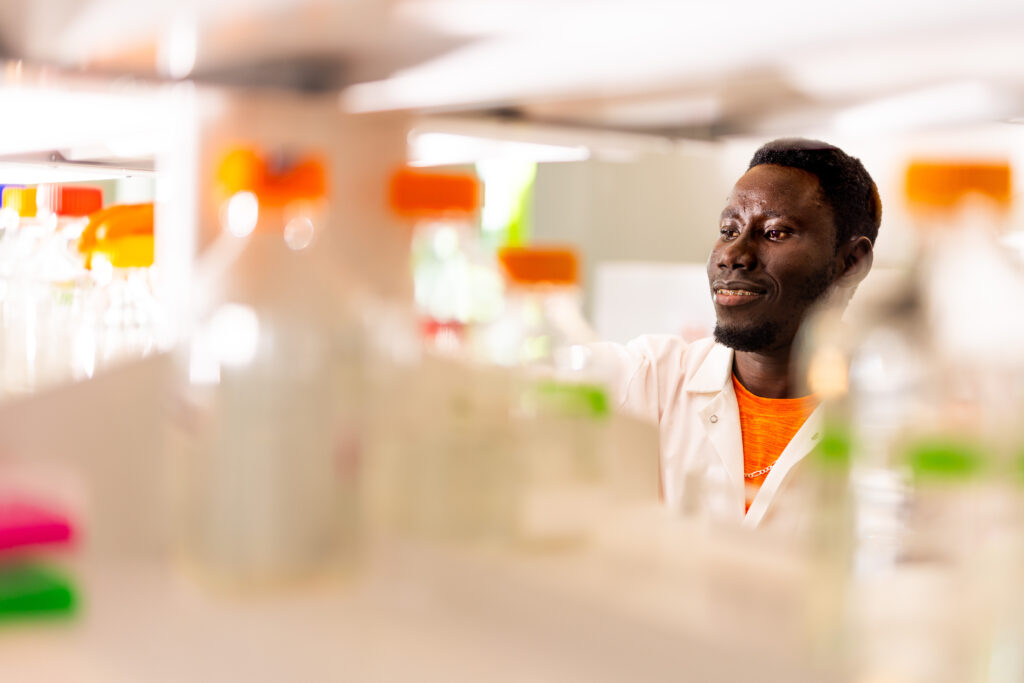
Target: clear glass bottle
267 411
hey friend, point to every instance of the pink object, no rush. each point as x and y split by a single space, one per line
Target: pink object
25 524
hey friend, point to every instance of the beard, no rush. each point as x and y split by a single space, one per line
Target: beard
768 335
749 337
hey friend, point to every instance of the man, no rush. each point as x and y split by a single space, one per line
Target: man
799 226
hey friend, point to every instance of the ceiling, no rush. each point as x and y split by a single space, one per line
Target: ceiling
681 68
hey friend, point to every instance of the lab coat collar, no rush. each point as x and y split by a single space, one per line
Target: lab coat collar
720 417
713 373
802 443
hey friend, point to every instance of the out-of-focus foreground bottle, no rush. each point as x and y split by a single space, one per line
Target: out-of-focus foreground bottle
124 315
442 449
58 285
21 231
562 412
501 435
920 501
270 456
457 286
46 287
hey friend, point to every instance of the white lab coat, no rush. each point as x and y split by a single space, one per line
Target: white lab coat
686 389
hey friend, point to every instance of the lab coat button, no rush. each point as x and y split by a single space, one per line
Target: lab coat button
713 418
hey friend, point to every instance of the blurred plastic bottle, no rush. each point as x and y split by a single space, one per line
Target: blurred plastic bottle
562 409
21 234
70 207
9 216
920 460
541 325
124 315
270 394
442 462
19 221
456 280
58 285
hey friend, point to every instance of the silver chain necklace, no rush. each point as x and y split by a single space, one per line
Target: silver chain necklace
757 473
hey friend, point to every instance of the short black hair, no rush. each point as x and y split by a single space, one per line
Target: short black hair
845 183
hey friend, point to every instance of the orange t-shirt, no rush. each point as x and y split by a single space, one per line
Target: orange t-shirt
767 425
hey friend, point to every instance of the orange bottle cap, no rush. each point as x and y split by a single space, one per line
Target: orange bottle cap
108 226
418 193
69 200
131 251
540 265
943 183
244 169
20 199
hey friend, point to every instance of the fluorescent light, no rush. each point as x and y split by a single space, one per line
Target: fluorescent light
664 112
943 105
439 149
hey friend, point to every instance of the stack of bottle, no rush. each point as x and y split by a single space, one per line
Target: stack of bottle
75 285
507 424
56 285
124 317
921 524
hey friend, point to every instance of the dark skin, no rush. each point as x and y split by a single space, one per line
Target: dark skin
776 255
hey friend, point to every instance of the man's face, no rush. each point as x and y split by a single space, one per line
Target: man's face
774 257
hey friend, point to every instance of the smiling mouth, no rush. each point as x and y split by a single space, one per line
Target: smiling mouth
736 296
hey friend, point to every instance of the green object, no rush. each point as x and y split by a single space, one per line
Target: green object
1019 462
32 590
836 445
520 224
938 458
578 400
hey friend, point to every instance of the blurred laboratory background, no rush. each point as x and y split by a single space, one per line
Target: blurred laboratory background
298 299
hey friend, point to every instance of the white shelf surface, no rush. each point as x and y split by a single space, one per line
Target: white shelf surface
432 616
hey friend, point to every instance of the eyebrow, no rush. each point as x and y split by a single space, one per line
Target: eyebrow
769 213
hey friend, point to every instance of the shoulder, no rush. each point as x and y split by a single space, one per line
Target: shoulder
674 352
644 374
667 354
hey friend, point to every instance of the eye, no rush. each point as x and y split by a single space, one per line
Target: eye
778 234
728 233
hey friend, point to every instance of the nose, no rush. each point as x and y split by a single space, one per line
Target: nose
739 253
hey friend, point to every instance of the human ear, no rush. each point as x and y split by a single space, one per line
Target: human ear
858 254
